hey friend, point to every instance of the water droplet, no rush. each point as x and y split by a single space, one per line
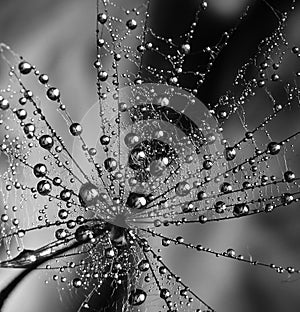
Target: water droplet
83 233
274 148
220 206
104 140
77 283
44 187
61 234
144 265
25 68
164 293
75 129
43 78
21 113
102 18
230 153
136 200
240 210
4 104
109 253
53 94
65 195
110 164
131 139
185 48
287 198
40 170
226 187
289 176
137 297
89 194
102 75
182 188
131 24
46 141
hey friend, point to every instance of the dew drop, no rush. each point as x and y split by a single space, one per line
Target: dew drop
136 200
44 187
102 75
274 148
53 94
240 210
289 176
43 78
29 129
131 139
102 18
109 253
77 283
104 140
65 195
164 293
182 188
21 114
60 234
137 297
25 68
230 153
287 198
4 104
88 194
220 207
185 48
83 233
144 265
40 170
110 164
75 129
131 24
226 187
46 141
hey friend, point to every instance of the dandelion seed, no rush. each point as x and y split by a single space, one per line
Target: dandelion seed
148 157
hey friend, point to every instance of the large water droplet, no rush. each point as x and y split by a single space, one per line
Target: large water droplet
137 297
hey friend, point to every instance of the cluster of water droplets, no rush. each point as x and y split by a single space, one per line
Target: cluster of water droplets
148 156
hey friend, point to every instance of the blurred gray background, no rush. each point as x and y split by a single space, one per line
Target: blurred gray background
58 37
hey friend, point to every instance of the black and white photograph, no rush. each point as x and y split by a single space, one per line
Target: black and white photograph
149 156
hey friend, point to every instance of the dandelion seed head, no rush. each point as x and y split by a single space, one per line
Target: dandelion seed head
148 159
